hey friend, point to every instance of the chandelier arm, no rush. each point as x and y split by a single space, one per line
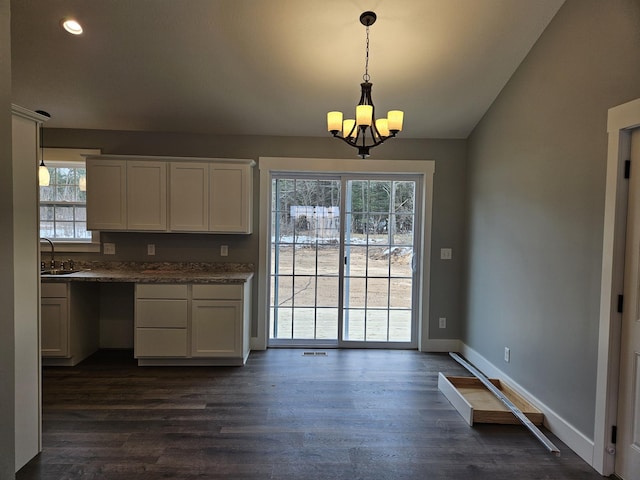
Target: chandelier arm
354 143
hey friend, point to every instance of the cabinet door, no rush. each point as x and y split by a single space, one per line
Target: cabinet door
54 325
189 197
106 194
146 196
216 328
230 196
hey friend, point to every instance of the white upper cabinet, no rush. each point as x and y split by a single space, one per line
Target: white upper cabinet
146 196
231 199
189 197
169 194
106 194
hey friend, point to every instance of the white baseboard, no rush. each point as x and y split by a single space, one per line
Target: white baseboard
575 440
441 345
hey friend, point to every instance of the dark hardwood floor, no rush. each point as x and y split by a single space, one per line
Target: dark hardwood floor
352 414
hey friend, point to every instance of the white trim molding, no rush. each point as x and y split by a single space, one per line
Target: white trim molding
561 428
269 165
621 120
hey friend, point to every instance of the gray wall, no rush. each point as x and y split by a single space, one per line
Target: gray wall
448 205
536 201
7 343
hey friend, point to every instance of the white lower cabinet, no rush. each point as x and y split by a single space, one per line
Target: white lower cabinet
161 316
69 325
192 324
54 326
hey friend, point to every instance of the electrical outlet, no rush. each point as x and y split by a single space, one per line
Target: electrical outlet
109 248
151 249
446 254
224 250
507 354
443 322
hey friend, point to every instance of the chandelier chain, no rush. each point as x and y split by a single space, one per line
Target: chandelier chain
366 76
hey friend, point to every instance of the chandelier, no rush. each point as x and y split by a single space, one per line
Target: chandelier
365 131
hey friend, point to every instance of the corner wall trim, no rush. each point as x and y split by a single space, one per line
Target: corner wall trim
561 428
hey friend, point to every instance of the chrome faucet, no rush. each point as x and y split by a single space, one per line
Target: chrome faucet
53 253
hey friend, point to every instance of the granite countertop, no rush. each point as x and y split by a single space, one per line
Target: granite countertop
140 272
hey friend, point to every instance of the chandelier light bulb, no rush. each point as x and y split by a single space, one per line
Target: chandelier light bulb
382 124
396 118
348 128
334 121
364 113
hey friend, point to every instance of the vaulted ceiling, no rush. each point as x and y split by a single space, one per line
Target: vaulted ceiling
267 67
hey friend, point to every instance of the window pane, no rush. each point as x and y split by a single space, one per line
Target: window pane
81 230
64 230
46 229
46 212
64 213
404 195
46 193
81 213
65 193
65 176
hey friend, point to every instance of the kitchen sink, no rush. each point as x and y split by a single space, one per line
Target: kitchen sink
57 272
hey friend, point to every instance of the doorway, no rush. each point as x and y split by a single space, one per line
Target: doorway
608 439
343 264
627 462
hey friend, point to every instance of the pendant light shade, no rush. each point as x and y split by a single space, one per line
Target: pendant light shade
43 175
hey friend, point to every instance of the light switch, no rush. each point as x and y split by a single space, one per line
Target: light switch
151 249
224 250
446 254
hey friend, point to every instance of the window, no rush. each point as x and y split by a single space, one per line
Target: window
63 203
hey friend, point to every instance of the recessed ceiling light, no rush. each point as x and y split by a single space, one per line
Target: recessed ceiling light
72 26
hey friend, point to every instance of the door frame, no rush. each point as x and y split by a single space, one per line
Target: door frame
269 165
621 120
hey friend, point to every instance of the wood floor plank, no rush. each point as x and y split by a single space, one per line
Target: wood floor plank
352 414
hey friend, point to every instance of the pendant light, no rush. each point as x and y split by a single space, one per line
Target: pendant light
43 172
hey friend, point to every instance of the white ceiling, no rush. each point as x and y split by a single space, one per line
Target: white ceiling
267 67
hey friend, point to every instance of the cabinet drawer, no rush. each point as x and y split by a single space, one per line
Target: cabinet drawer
161 313
161 291
161 342
53 289
217 292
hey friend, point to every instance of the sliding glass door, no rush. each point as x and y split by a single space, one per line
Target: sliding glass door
342 261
